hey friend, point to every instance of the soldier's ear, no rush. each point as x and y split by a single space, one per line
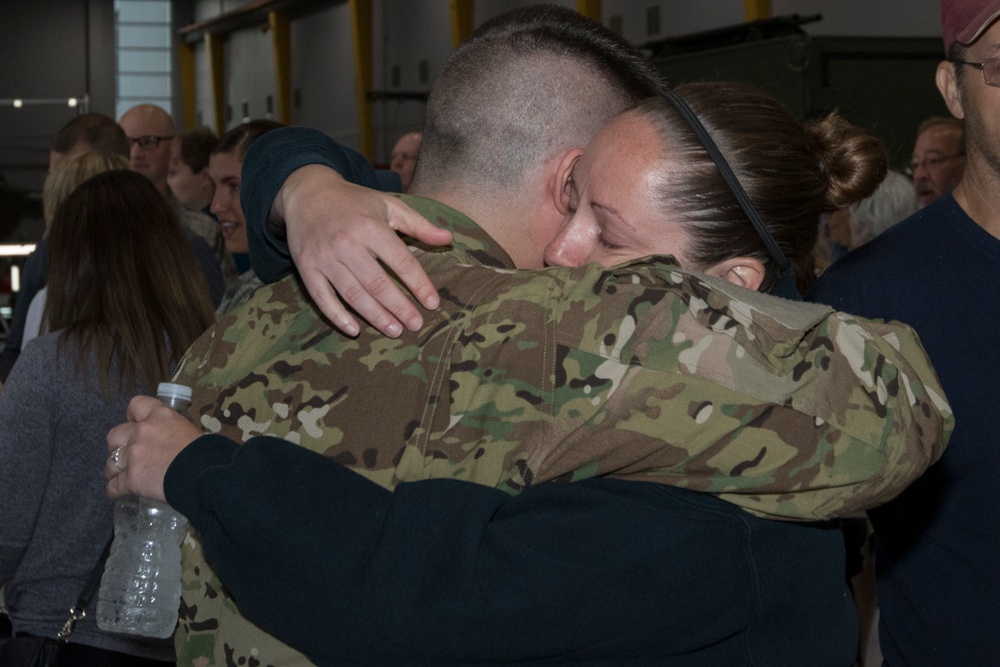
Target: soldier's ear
561 179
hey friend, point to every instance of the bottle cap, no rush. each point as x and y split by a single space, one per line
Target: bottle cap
171 390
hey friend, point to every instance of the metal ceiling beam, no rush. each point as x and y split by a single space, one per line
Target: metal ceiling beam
250 15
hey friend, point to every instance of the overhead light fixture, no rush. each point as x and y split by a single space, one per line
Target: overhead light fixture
80 103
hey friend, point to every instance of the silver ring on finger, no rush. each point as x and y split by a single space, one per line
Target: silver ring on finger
116 459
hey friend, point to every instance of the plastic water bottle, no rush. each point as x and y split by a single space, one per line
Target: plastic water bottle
141 587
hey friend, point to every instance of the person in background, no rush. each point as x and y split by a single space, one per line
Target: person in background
937 546
150 132
892 202
187 175
80 166
125 300
938 158
847 228
89 131
837 231
403 158
225 166
58 186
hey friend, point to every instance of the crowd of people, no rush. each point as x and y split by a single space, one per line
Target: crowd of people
688 376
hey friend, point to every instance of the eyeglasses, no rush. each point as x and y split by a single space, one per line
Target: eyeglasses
148 142
989 67
932 162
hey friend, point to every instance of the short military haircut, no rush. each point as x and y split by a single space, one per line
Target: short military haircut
99 132
524 85
196 146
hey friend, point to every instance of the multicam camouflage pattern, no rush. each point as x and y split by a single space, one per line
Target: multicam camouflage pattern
239 292
643 371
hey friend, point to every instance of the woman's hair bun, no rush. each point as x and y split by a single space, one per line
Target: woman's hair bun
854 161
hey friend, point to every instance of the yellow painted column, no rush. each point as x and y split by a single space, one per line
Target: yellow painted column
189 93
461 21
215 51
281 43
591 8
361 25
757 9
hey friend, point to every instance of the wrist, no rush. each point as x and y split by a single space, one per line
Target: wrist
297 186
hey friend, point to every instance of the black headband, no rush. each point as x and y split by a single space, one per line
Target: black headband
784 266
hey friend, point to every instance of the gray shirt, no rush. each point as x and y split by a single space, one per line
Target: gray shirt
54 515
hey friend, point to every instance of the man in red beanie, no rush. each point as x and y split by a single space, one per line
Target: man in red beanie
938 544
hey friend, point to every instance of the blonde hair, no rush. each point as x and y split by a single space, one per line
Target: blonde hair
70 174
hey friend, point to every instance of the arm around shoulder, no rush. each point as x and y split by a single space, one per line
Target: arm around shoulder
268 163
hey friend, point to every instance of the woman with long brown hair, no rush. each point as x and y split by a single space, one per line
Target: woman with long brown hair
125 299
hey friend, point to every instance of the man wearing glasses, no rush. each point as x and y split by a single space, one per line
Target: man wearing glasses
938 158
150 132
937 552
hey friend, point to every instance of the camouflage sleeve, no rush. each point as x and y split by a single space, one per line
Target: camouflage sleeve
789 410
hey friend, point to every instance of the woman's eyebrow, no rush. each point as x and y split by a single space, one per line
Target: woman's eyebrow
613 211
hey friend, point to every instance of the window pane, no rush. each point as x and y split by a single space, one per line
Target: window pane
143 53
134 85
143 36
135 11
134 60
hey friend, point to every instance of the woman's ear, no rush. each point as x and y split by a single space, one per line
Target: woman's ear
562 177
743 271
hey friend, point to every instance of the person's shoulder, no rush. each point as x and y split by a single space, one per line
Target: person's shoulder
46 345
45 358
887 262
197 222
265 314
643 311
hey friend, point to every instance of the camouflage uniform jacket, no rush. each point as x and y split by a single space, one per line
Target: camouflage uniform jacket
642 371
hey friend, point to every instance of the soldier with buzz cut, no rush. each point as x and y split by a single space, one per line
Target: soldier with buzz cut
670 380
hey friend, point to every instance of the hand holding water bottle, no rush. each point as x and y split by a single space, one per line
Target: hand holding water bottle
141 587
